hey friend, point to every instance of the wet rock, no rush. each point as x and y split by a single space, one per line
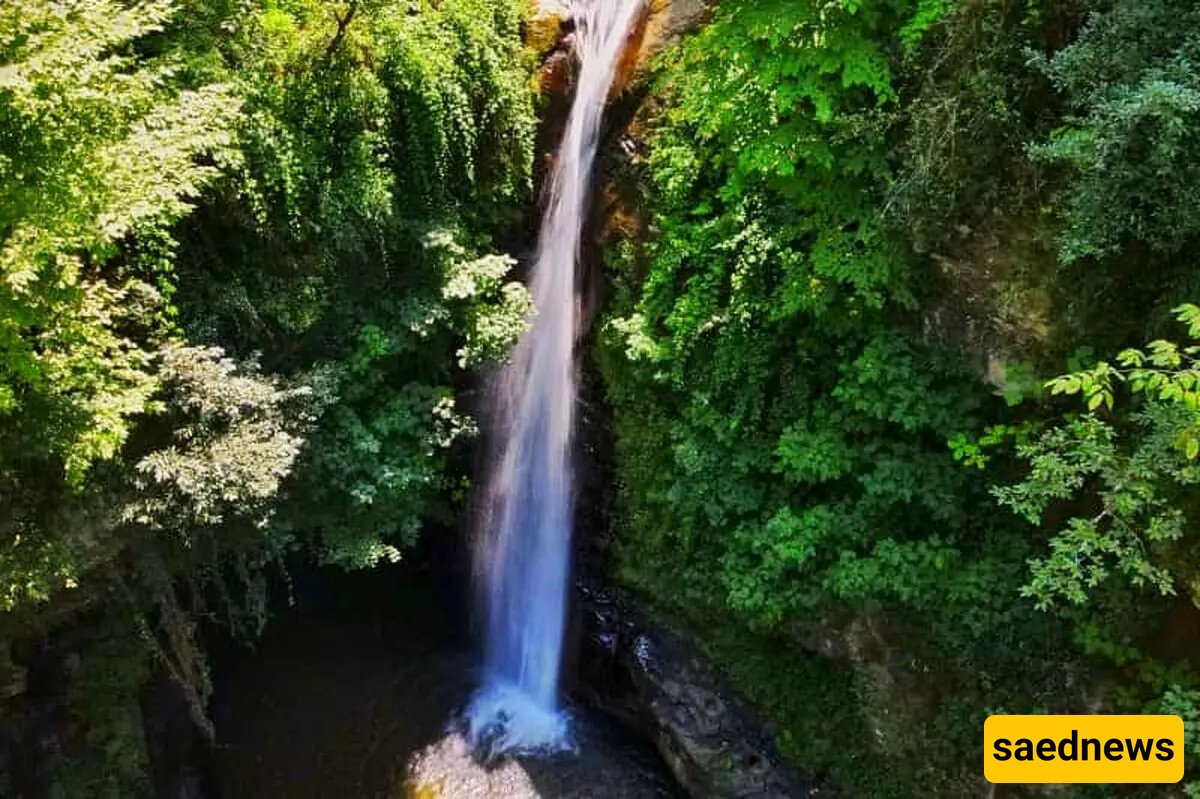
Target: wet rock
631 55
650 679
664 23
555 74
545 25
667 21
447 769
895 686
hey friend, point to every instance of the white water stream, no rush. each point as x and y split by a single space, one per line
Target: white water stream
522 556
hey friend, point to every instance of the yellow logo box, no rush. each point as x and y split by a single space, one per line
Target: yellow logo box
1066 749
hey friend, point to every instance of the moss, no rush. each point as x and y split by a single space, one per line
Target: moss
542 30
104 754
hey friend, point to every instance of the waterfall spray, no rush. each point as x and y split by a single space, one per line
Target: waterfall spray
522 555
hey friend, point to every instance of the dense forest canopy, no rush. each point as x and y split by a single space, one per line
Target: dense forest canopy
903 371
246 261
879 231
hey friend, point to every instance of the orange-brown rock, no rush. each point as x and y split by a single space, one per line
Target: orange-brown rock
631 54
661 25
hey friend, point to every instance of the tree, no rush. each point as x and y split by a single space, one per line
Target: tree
1135 474
101 151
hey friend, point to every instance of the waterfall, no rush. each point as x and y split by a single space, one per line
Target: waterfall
522 554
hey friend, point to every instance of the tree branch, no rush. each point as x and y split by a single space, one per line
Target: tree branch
343 22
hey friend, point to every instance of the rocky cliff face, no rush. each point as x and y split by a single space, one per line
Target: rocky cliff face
652 680
548 32
662 25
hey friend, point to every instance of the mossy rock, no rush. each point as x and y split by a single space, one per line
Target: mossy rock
543 27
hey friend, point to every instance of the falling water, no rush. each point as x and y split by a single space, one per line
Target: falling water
522 555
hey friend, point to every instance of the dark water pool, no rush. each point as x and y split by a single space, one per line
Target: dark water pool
351 697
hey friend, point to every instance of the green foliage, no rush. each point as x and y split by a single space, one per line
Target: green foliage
380 462
1130 143
1163 372
975 100
1134 519
1137 481
244 270
780 429
248 259
233 442
232 438
330 145
108 759
418 298
973 452
1185 703
416 111
846 223
771 419
98 147
383 144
